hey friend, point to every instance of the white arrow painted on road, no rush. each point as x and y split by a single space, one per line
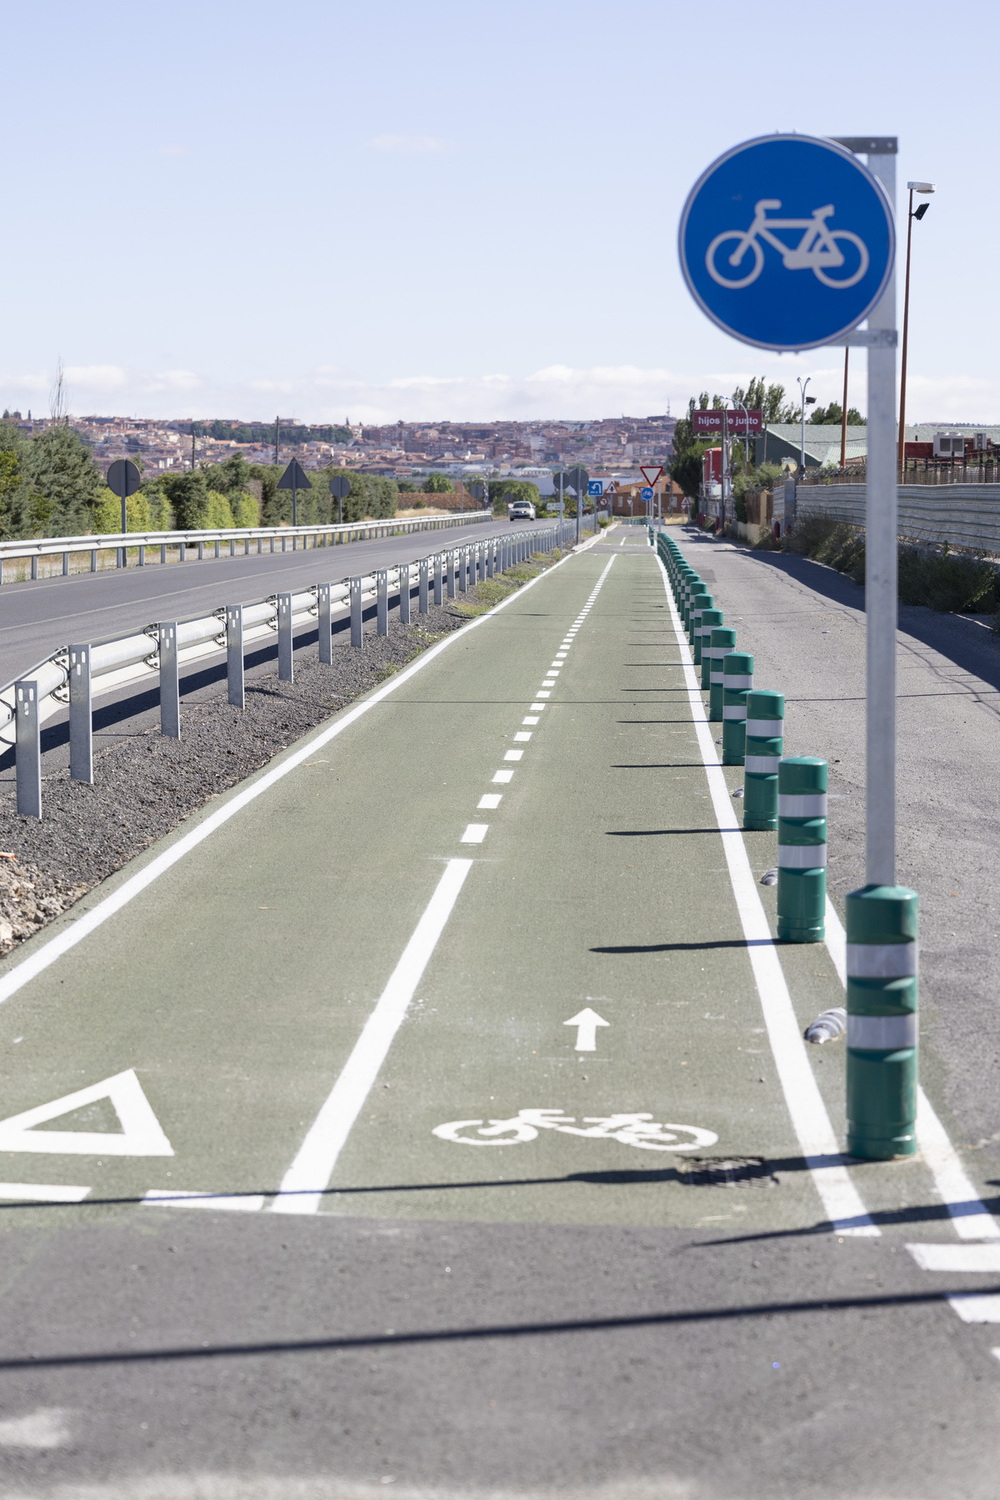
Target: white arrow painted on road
588 1021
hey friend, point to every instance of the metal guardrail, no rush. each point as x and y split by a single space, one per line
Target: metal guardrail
74 675
966 516
167 541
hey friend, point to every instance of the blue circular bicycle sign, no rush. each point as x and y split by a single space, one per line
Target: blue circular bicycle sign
787 242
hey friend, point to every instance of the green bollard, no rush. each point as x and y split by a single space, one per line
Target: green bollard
699 591
801 849
882 1022
703 605
723 640
688 581
737 682
710 618
765 736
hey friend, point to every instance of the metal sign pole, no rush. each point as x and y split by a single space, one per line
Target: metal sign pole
880 576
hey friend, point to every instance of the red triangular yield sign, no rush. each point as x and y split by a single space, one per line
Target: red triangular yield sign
649 474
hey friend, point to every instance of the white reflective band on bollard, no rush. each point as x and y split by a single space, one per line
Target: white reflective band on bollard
802 805
882 1033
738 684
764 765
766 729
802 856
733 710
882 960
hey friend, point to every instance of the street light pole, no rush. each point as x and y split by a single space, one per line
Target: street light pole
914 187
802 446
746 435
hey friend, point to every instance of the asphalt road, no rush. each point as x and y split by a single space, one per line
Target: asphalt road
446 1250
37 618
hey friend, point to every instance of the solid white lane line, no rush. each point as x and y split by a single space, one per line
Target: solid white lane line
490 800
503 776
970 1217
174 1198
41 1192
474 833
840 1198
307 1178
82 926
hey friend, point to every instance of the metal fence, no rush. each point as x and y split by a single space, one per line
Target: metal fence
179 543
965 516
73 676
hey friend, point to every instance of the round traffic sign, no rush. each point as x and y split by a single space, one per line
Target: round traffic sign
646 493
787 242
123 478
340 486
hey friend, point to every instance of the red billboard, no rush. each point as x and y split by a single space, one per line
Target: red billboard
737 422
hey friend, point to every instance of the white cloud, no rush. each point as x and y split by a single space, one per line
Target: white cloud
408 143
96 377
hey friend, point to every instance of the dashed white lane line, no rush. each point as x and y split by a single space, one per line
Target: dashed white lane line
522 735
501 777
839 1196
536 708
474 833
41 1192
490 800
531 719
305 1181
513 755
542 693
970 1217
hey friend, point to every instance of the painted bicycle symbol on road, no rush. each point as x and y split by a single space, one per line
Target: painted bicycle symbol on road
819 250
629 1129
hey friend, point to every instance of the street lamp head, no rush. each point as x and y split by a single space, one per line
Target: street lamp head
922 187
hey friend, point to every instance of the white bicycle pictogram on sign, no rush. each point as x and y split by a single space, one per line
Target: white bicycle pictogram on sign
631 1130
817 251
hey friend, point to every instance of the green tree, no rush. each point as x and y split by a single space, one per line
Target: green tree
62 483
188 497
832 415
768 399
405 487
504 492
107 512
438 484
13 490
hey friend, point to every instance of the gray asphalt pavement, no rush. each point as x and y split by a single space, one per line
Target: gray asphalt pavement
36 618
352 1201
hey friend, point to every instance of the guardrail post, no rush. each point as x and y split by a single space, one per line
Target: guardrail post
325 605
142 556
163 553
881 1022
65 558
423 579
34 566
765 739
463 570
234 655
801 849
439 577
286 666
183 551
404 593
451 564
28 768
217 549
357 621
93 560
381 602
81 723
170 681
201 551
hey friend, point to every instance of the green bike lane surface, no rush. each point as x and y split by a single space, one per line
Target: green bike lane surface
589 1303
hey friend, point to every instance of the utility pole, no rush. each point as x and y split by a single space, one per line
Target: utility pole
192 445
277 438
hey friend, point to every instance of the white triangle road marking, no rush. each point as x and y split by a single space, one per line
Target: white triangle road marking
142 1134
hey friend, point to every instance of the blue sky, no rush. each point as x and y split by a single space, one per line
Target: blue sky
452 210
